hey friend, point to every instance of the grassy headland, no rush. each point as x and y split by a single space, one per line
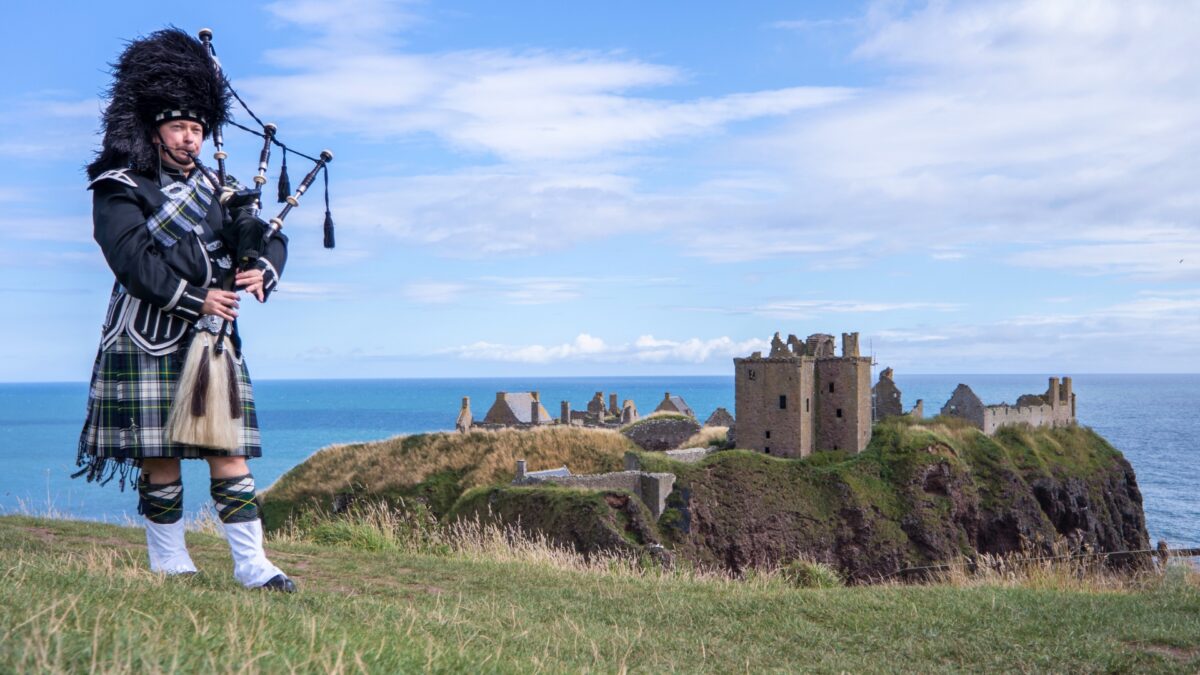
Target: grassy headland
77 596
438 467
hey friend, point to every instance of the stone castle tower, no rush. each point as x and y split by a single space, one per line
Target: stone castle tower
802 397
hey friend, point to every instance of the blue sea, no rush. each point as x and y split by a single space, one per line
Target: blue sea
1153 419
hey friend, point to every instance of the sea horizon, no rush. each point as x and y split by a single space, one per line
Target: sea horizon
1145 415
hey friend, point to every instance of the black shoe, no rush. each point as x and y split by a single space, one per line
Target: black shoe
280 583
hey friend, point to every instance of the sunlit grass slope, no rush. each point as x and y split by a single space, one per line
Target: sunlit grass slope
76 597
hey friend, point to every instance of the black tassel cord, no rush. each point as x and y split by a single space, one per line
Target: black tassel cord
200 391
328 215
285 183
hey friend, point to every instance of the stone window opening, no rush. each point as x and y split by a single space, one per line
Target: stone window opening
831 387
839 412
768 449
783 402
805 405
835 446
767 433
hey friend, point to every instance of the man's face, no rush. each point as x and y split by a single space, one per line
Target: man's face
177 138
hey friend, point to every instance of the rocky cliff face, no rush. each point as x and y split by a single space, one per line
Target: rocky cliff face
921 494
918 495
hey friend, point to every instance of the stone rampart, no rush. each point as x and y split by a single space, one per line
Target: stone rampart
996 416
651 488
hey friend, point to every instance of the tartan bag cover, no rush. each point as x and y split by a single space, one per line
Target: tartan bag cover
185 209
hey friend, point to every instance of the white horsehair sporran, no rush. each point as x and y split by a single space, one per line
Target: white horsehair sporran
208 408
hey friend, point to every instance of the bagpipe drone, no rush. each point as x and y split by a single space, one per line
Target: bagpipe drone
208 406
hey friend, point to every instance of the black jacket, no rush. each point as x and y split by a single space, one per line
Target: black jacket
160 289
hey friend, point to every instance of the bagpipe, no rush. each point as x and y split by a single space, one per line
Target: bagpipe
208 406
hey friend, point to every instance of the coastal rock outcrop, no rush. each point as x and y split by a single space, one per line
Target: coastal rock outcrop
919 495
923 493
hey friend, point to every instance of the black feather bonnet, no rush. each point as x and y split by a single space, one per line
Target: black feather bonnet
168 75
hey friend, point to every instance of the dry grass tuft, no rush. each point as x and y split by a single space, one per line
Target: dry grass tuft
1060 570
708 437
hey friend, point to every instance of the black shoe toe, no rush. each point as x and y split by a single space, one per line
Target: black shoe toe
280 583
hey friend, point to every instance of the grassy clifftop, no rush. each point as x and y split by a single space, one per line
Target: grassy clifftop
437 467
922 492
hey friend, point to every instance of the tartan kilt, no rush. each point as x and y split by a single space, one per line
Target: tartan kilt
128 403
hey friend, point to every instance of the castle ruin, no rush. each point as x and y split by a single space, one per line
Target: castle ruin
803 397
888 401
1055 408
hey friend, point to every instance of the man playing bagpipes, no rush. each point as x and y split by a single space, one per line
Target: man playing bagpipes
169 381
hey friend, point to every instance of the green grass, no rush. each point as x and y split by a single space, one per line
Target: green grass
77 597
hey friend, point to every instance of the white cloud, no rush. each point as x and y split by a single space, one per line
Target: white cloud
521 290
1011 122
1157 332
584 346
518 105
435 292
647 348
482 212
807 309
587 348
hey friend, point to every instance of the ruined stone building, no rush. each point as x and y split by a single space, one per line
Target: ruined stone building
803 397
516 409
1055 408
719 418
598 414
888 401
674 404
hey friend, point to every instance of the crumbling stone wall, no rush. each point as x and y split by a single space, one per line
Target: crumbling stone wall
966 404
1055 408
887 396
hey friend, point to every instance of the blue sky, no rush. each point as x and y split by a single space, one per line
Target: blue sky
541 188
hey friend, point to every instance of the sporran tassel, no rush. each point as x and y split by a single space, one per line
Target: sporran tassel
235 399
200 414
200 389
285 183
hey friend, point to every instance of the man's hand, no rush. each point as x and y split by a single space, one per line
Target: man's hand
221 303
251 281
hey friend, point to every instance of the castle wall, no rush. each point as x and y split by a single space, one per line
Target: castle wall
843 398
996 416
1055 408
774 406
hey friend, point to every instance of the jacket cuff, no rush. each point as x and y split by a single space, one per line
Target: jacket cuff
270 276
188 301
